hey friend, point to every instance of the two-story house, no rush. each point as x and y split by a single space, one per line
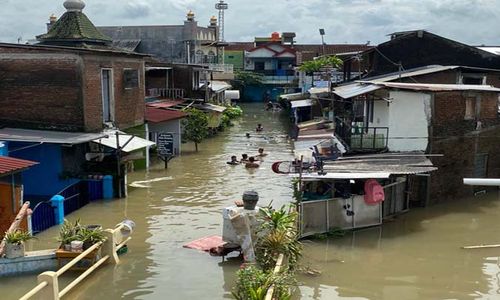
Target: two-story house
65 100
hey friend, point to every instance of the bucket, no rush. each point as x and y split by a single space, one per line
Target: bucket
250 199
76 246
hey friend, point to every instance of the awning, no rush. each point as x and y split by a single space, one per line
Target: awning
355 89
158 68
294 96
217 86
10 165
134 142
158 115
302 103
45 136
438 87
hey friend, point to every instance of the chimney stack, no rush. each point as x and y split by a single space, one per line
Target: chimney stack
52 21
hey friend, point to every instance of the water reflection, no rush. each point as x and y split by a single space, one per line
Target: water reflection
418 256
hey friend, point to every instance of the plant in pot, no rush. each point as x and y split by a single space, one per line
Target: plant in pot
68 233
14 243
90 236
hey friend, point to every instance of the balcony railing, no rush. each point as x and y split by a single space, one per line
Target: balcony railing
371 138
278 79
166 93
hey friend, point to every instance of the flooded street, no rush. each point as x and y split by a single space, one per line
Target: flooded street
416 256
185 205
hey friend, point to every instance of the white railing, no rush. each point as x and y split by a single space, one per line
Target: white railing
225 68
174 93
48 282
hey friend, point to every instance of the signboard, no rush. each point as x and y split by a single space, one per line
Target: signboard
165 142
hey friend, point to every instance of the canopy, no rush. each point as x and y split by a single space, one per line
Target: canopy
302 103
46 136
131 142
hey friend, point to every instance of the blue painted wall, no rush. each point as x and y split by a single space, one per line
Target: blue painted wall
42 179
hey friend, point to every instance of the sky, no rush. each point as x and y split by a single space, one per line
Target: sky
474 22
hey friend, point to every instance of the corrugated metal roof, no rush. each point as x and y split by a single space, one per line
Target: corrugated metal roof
396 164
437 87
9 165
294 96
210 107
490 49
165 104
45 136
355 89
157 115
216 86
345 175
302 103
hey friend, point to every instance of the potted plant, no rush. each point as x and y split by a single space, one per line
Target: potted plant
90 236
14 243
68 233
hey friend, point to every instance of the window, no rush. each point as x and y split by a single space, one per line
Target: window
130 78
107 95
471 78
470 108
259 65
230 56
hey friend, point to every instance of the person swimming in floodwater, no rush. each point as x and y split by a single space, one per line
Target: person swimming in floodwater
234 161
259 127
244 158
261 152
248 135
251 163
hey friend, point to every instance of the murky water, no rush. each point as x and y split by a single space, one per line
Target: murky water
417 256
177 210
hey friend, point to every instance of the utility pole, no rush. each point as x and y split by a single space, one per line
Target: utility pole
322 33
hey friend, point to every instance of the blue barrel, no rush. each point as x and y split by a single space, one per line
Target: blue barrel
107 187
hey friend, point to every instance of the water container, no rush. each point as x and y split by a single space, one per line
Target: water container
76 246
250 199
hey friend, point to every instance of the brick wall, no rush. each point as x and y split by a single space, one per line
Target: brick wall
40 89
60 89
128 103
459 141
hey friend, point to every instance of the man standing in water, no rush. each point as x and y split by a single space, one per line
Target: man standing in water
251 164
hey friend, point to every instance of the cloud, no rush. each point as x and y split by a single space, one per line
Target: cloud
351 21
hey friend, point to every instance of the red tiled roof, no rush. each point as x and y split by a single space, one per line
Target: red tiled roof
10 165
157 115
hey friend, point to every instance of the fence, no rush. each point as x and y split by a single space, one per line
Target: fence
48 282
43 217
166 93
75 197
371 138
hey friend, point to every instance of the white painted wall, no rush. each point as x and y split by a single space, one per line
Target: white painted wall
380 114
409 116
170 126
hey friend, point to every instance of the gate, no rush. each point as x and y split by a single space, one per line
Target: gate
43 217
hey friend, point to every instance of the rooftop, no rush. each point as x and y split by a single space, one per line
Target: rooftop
158 115
10 165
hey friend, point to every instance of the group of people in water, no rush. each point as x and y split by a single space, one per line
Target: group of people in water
249 161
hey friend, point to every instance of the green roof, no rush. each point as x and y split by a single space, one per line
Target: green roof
74 26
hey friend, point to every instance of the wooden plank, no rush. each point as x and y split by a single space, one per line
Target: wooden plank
15 225
482 246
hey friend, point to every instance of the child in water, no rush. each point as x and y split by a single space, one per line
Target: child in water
259 127
234 161
244 158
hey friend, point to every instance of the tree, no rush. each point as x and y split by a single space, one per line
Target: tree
195 126
243 79
319 64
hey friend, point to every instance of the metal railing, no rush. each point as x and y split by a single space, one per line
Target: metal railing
173 93
371 138
48 282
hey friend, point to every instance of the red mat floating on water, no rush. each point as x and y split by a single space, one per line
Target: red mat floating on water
206 243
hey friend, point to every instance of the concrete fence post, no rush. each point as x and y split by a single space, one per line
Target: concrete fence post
109 247
58 204
51 291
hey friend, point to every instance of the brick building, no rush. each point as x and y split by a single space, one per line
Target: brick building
65 98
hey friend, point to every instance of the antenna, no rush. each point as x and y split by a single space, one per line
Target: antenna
221 6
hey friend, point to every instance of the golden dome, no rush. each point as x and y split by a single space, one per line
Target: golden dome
190 13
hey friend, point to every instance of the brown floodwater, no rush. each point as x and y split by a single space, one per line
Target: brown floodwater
416 256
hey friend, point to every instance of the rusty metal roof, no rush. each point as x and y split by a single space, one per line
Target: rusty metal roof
9 165
157 115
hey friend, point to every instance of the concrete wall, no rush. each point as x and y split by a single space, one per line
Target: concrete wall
235 58
409 116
